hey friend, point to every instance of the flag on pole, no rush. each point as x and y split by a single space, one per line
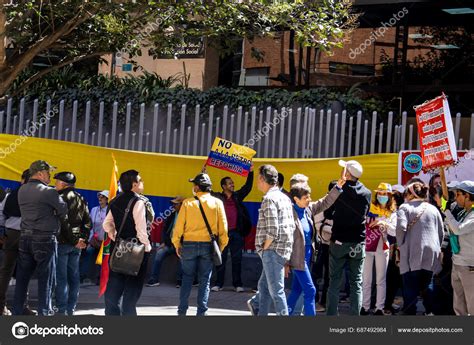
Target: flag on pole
104 252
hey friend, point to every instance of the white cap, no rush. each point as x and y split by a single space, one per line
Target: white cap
104 193
354 167
452 184
398 188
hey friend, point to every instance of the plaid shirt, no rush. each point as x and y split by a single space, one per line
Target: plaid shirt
276 222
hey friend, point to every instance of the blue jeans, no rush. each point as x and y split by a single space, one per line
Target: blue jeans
195 255
89 258
68 278
414 284
126 288
35 253
303 284
235 246
353 254
160 255
271 285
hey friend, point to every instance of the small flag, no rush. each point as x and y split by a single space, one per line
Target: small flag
104 252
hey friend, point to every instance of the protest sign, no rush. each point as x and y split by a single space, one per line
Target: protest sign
231 157
435 129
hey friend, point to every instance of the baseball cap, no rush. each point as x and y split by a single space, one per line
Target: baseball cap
65 176
201 180
104 193
40 165
384 187
398 188
466 186
354 167
452 184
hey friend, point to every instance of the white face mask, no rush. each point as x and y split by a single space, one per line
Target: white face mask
194 193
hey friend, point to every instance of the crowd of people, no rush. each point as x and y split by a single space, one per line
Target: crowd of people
417 239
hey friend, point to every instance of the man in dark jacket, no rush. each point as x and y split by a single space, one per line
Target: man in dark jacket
166 248
12 215
239 225
73 237
348 238
40 207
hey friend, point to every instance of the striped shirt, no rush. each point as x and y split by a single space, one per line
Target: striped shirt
276 222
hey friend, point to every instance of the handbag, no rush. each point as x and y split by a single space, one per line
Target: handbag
127 255
216 252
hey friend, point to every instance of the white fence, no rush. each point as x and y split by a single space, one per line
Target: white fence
286 132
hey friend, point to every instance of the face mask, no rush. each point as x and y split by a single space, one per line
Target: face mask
382 199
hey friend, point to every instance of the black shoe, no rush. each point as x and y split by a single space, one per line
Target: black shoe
29 312
379 312
364 312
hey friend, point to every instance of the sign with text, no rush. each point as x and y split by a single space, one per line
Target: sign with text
435 129
191 48
226 155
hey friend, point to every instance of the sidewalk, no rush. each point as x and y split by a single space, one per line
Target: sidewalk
163 300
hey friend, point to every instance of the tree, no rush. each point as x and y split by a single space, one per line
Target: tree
66 32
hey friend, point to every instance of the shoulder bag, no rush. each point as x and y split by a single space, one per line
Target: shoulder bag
127 255
216 252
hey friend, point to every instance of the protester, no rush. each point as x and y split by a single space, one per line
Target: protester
303 246
12 214
239 225
394 278
193 242
72 239
121 286
166 247
381 222
323 223
348 238
419 236
463 260
96 237
273 242
41 208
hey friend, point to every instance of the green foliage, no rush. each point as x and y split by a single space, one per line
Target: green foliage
150 88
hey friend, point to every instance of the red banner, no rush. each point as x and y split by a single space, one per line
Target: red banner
435 129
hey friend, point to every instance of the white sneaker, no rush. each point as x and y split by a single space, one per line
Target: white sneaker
216 288
239 289
12 282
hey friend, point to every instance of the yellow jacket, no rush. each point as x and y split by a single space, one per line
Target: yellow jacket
190 223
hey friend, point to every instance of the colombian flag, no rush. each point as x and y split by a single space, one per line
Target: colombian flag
104 253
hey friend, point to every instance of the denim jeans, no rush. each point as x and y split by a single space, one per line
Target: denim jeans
88 259
235 246
67 278
195 255
126 288
35 253
160 255
414 284
339 254
10 255
271 285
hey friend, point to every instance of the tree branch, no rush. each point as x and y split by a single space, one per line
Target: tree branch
46 71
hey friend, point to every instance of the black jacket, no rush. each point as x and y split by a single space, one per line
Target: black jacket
244 223
350 211
11 208
77 224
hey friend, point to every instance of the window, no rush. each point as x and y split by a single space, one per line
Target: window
256 76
